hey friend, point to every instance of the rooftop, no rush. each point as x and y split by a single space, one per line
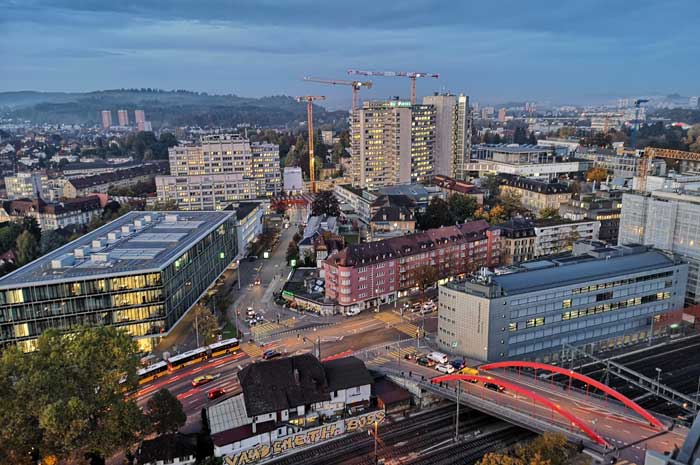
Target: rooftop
134 243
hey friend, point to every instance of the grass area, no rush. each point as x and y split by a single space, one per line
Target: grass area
229 331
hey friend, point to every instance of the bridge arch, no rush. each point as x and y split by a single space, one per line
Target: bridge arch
578 376
532 395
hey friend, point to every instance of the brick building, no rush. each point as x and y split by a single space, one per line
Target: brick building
368 274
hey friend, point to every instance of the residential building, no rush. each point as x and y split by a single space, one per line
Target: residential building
453 131
141 272
517 241
26 185
455 186
604 298
374 273
602 206
555 235
391 222
106 119
669 221
393 143
293 180
536 195
249 224
55 215
123 117
284 399
223 168
102 183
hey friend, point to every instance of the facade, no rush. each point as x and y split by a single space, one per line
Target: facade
554 236
669 221
537 195
393 143
223 168
141 272
605 298
123 117
106 116
517 241
26 185
453 131
55 215
286 397
374 273
293 180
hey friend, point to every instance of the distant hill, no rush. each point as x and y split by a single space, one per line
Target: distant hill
163 108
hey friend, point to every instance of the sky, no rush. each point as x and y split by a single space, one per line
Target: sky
562 51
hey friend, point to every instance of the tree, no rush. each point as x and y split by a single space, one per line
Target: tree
206 324
437 214
425 276
325 203
597 174
27 248
462 207
66 400
549 212
165 412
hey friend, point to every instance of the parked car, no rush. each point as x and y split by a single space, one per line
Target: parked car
216 393
199 380
494 387
444 368
270 354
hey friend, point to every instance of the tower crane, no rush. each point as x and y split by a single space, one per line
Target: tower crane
409 74
356 86
309 99
635 123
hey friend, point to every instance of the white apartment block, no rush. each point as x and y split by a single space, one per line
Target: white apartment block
453 130
392 143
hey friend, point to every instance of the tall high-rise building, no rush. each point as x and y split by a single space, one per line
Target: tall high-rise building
140 118
106 119
123 117
453 128
221 169
392 143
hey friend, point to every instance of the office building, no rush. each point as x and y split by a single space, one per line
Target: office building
293 180
123 117
393 143
373 273
223 168
26 185
453 133
141 272
669 221
599 299
106 119
536 195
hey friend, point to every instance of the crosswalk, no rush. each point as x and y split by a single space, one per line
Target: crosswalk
251 349
392 356
395 321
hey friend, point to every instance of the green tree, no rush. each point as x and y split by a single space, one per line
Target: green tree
325 203
65 399
462 207
27 248
206 324
165 412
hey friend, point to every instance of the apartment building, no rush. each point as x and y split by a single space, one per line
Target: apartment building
536 195
393 143
222 168
373 273
668 220
600 299
453 131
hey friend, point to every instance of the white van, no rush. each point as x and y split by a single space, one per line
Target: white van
438 357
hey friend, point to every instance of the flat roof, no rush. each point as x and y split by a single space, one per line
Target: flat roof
139 241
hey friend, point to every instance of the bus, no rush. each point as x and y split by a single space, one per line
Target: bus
152 372
187 358
225 347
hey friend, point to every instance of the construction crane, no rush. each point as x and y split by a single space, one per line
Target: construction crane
411 75
650 153
309 99
635 123
356 86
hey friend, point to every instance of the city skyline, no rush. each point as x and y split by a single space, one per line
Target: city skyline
561 53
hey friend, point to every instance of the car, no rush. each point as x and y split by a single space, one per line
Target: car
216 393
444 368
270 354
199 380
423 361
494 387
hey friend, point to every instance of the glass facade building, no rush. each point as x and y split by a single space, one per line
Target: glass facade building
141 272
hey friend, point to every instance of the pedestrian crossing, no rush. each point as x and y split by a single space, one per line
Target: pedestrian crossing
251 349
396 322
392 356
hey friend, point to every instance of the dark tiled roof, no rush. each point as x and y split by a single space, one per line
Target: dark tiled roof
167 447
343 373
